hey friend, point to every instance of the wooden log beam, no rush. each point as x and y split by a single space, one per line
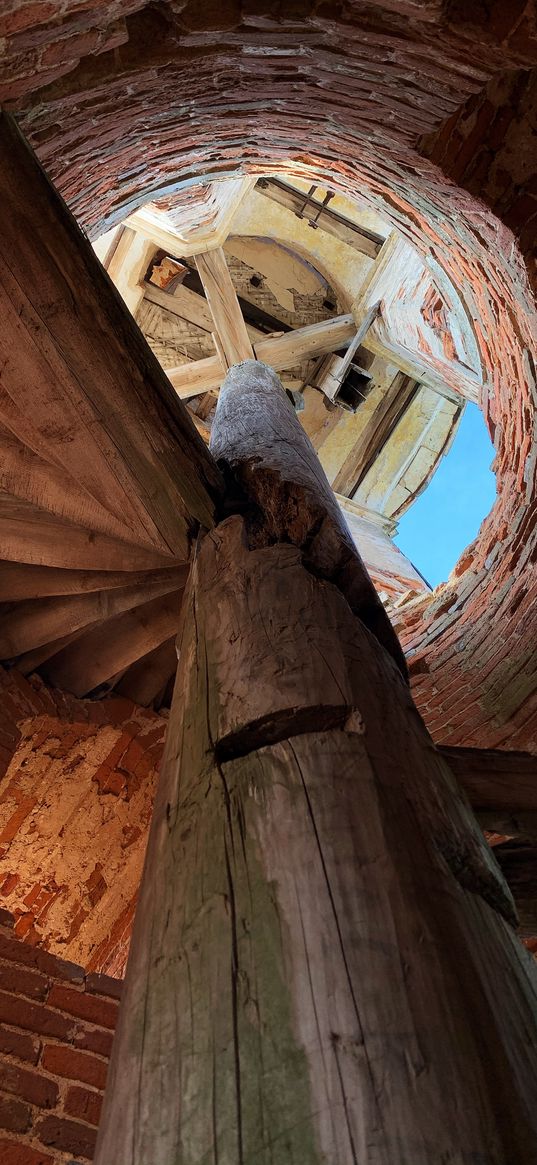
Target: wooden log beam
252 415
80 386
33 623
224 305
301 344
518 863
279 352
501 787
111 647
314 881
321 217
375 433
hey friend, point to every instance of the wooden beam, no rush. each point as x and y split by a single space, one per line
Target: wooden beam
447 377
333 376
31 535
188 305
107 650
252 411
20 581
81 376
375 433
321 217
501 787
518 862
452 382
197 376
222 299
301 344
145 680
36 622
155 227
183 303
314 882
279 352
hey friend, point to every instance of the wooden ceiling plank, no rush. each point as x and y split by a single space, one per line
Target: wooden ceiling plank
30 535
35 622
280 352
113 646
224 305
20 581
321 217
114 382
147 678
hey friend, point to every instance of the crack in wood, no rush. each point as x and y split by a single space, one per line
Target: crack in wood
284 725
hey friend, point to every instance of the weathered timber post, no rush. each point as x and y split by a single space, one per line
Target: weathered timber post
323 970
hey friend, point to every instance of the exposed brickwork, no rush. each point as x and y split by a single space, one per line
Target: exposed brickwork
488 147
75 804
352 94
51 1090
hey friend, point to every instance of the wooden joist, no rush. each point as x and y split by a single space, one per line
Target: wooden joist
223 303
321 217
104 652
32 535
147 679
33 623
375 433
280 352
82 377
501 787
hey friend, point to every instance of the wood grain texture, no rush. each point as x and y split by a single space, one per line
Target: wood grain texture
280 352
501 788
29 534
102 473
31 624
111 647
221 296
257 435
20 581
81 373
297 995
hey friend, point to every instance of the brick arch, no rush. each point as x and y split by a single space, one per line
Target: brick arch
348 98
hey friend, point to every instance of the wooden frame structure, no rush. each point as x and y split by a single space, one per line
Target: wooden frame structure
324 966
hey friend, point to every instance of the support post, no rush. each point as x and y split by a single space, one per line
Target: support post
323 970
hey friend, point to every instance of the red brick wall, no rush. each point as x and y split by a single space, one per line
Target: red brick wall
75 804
359 89
56 1029
488 147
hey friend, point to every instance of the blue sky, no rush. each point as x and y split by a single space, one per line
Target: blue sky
446 517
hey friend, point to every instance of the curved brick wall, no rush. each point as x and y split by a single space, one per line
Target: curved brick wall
122 99
56 1030
75 803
